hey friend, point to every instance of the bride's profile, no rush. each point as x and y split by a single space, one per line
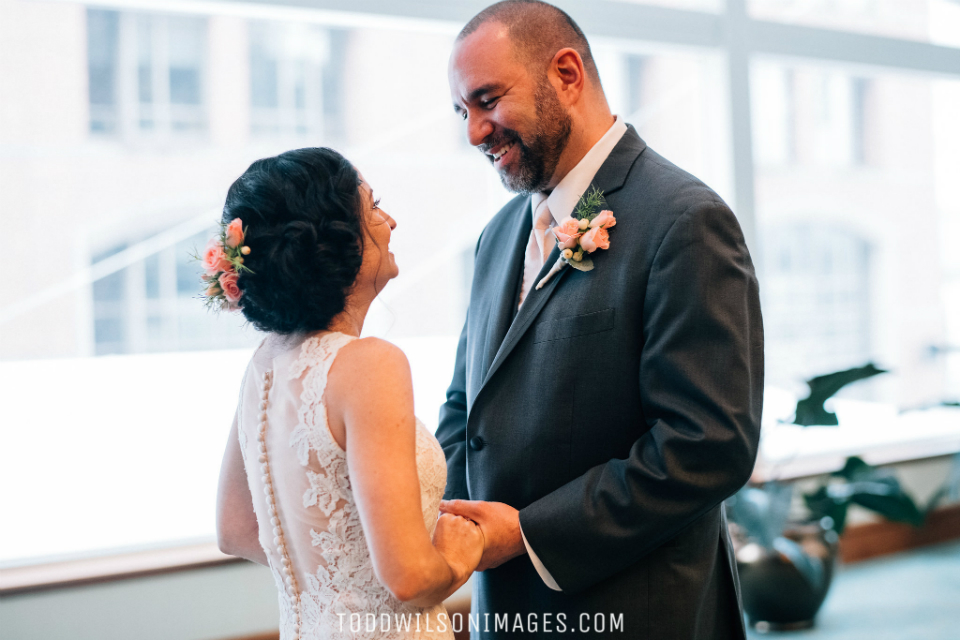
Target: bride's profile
328 478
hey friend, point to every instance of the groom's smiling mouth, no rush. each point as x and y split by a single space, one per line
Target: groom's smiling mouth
498 154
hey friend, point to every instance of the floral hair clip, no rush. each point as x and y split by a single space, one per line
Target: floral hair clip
222 264
581 234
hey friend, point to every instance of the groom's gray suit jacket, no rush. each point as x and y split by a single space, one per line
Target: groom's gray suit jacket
616 410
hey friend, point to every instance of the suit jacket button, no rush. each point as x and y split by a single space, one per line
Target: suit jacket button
476 443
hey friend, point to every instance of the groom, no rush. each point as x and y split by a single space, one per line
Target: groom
594 425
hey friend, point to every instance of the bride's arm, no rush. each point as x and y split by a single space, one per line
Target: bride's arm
237 530
370 397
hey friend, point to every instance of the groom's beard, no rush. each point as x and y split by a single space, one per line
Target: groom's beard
538 158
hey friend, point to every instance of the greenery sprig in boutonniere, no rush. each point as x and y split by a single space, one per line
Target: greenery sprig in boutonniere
579 235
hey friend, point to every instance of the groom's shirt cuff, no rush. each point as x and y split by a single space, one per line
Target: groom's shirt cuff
542 570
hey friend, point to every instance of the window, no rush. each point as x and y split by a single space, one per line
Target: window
816 300
296 75
851 268
286 78
838 156
145 73
936 21
103 35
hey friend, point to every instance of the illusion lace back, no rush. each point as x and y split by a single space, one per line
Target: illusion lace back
309 525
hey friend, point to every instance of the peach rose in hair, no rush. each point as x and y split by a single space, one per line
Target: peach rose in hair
228 282
234 233
214 259
596 238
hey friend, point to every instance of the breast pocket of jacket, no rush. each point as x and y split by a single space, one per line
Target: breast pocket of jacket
574 326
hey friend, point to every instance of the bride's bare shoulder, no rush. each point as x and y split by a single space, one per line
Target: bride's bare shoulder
370 377
368 359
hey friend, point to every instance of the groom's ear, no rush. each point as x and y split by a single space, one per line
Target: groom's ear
567 75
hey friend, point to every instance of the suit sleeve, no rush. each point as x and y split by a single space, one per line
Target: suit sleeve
452 430
701 388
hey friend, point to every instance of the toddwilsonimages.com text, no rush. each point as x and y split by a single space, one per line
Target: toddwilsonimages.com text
487 622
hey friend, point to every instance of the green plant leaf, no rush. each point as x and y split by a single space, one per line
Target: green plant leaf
821 504
870 487
810 410
584 265
854 468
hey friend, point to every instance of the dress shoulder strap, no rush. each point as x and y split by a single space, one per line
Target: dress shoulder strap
313 367
317 355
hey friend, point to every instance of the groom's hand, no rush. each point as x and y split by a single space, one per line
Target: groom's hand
500 524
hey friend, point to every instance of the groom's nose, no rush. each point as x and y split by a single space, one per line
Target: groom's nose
479 128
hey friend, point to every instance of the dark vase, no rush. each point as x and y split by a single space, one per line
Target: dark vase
784 587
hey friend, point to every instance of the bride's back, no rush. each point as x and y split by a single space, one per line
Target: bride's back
309 526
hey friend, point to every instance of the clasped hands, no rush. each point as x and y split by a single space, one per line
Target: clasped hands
500 525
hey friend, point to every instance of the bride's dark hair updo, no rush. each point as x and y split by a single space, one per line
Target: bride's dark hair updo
301 212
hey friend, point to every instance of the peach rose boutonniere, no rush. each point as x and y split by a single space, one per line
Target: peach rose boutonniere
223 262
580 235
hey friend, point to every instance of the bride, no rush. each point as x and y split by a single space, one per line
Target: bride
328 478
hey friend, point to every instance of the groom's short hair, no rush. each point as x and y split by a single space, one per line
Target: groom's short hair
538 30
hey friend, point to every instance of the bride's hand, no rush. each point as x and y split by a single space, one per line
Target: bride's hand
460 542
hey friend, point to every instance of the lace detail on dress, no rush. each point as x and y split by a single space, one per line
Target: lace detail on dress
338 593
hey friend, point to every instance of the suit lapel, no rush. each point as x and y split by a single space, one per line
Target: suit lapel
610 178
503 306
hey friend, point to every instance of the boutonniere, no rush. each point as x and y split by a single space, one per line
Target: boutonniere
578 236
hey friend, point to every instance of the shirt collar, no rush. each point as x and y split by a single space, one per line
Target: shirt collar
563 200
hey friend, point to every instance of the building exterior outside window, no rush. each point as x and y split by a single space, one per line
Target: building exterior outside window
146 73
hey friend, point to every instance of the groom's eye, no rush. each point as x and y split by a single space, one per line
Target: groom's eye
488 104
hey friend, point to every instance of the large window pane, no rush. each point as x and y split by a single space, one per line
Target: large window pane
675 99
854 202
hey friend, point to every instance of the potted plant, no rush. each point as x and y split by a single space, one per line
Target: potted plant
786 568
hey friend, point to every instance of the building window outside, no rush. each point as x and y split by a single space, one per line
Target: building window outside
816 300
153 306
295 80
145 73
103 34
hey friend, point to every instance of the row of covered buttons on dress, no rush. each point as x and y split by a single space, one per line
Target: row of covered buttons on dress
289 578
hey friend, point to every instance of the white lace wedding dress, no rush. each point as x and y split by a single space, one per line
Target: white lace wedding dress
309 525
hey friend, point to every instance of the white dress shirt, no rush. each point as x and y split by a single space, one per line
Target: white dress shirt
560 204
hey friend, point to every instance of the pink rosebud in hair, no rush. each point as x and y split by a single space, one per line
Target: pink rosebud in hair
228 282
214 259
234 233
